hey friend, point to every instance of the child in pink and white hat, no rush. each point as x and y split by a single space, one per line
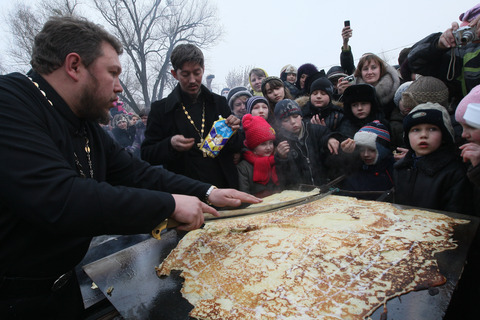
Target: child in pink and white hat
468 115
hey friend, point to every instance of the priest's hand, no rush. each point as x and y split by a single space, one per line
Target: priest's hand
189 212
230 198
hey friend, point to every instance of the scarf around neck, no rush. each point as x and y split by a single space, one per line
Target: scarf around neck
263 168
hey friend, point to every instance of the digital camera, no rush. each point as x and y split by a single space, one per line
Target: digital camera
465 35
350 79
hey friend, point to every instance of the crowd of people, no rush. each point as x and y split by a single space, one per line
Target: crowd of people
380 128
412 130
65 180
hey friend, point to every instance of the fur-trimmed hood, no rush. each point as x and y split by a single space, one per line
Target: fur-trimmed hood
386 86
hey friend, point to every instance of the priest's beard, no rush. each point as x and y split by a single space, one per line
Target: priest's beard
92 105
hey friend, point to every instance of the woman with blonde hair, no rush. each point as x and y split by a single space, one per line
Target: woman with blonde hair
255 77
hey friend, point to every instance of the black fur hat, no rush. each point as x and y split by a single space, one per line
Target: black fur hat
360 93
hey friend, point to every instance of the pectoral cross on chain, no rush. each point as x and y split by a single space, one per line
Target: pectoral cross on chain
199 145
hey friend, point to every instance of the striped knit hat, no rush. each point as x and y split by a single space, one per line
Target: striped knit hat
235 93
253 101
375 136
470 14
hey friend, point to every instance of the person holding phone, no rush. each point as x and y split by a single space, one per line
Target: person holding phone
347 66
346 56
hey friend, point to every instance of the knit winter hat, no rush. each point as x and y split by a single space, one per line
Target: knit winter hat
400 90
432 113
225 92
322 84
335 72
376 136
285 108
470 14
312 78
472 115
253 101
425 89
236 92
472 97
257 131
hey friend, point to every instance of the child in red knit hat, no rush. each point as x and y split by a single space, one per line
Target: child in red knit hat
256 172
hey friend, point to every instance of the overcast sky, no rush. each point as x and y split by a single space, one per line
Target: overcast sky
272 33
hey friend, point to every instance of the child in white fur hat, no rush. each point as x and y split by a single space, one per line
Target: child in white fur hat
375 170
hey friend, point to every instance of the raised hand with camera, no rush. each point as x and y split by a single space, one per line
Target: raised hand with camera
456 35
344 83
452 56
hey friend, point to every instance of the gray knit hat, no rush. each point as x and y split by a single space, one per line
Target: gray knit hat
236 92
254 100
425 89
285 108
400 91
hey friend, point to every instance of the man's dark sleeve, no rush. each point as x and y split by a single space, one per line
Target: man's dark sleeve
427 59
346 61
156 148
39 185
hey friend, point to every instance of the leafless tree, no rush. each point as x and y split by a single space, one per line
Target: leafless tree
25 22
149 30
237 77
2 69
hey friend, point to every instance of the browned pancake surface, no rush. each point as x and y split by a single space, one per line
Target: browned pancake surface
335 258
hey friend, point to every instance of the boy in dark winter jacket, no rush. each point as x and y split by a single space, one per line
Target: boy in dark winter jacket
360 107
320 109
431 175
375 168
257 173
302 148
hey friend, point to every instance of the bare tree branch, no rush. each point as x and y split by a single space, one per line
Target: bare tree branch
237 78
148 30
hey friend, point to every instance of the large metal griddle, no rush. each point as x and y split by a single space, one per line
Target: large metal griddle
128 280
